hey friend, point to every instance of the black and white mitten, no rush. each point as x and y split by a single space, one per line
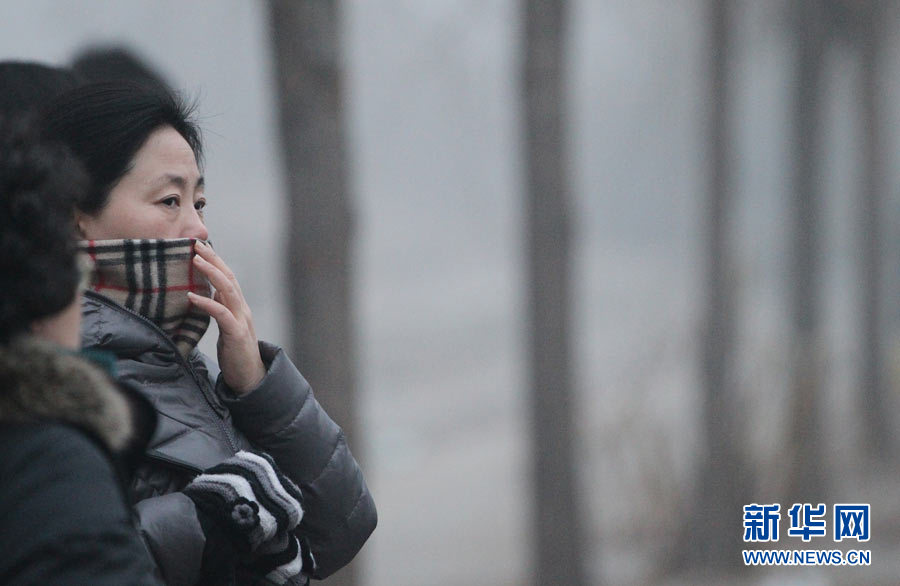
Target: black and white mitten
248 499
285 560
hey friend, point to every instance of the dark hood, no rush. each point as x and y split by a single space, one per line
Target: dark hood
40 381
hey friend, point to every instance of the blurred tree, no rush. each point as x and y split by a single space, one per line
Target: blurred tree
558 538
804 458
872 384
306 44
711 536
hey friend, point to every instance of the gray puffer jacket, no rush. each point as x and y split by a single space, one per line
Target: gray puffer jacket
201 423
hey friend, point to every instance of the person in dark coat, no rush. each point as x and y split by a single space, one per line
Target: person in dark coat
150 303
69 436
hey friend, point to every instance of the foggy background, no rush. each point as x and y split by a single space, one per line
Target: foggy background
435 175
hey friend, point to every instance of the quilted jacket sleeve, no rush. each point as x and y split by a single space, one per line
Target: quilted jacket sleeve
172 519
282 417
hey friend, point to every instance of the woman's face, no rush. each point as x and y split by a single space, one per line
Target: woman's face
161 195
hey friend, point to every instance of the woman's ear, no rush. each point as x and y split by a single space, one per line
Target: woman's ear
80 220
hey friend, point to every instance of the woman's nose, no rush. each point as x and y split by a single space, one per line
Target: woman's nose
195 227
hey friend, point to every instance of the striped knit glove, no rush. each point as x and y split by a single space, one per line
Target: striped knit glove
247 500
285 560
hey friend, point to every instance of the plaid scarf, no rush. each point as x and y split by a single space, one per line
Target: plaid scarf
152 278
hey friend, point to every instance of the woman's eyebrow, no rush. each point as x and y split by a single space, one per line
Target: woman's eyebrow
178 180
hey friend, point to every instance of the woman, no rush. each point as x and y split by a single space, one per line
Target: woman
144 225
68 434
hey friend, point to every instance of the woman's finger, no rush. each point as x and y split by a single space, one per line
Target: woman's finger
225 288
228 323
208 254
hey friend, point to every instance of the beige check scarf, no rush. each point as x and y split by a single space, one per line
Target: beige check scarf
152 278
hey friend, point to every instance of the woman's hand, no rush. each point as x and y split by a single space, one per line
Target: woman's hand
242 366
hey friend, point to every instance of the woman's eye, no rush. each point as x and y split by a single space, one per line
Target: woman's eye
170 202
200 205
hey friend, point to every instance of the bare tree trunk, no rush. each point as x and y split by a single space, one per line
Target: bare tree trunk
711 537
723 478
872 384
305 36
805 458
558 538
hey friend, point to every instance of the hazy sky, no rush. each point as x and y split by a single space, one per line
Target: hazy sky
435 171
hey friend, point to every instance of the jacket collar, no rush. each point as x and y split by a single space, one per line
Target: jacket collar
107 325
191 431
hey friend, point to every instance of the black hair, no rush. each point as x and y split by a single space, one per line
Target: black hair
39 184
115 63
28 86
105 124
